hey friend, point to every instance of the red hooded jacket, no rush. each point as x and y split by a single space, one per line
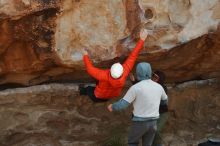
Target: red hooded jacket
109 87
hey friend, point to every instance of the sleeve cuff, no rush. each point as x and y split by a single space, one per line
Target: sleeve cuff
85 56
120 105
141 41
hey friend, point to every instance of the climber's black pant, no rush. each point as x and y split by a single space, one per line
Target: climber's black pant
90 92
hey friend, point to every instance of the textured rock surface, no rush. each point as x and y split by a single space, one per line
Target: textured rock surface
196 113
198 59
55 115
181 20
96 25
16 9
42 40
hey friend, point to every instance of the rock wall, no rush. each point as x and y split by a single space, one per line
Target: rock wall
96 25
55 115
181 20
42 40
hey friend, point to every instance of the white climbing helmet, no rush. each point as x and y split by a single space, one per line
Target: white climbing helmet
116 70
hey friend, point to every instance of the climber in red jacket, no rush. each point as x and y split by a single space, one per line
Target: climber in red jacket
111 81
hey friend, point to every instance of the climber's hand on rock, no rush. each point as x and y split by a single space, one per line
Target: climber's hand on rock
84 51
143 34
110 107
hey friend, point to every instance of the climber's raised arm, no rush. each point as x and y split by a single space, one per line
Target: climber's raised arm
129 62
96 73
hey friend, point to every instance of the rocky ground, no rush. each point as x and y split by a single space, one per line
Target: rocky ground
55 115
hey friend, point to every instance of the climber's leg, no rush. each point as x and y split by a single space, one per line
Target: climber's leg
82 90
90 92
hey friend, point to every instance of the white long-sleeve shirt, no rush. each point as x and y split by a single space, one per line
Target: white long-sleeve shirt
146 96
